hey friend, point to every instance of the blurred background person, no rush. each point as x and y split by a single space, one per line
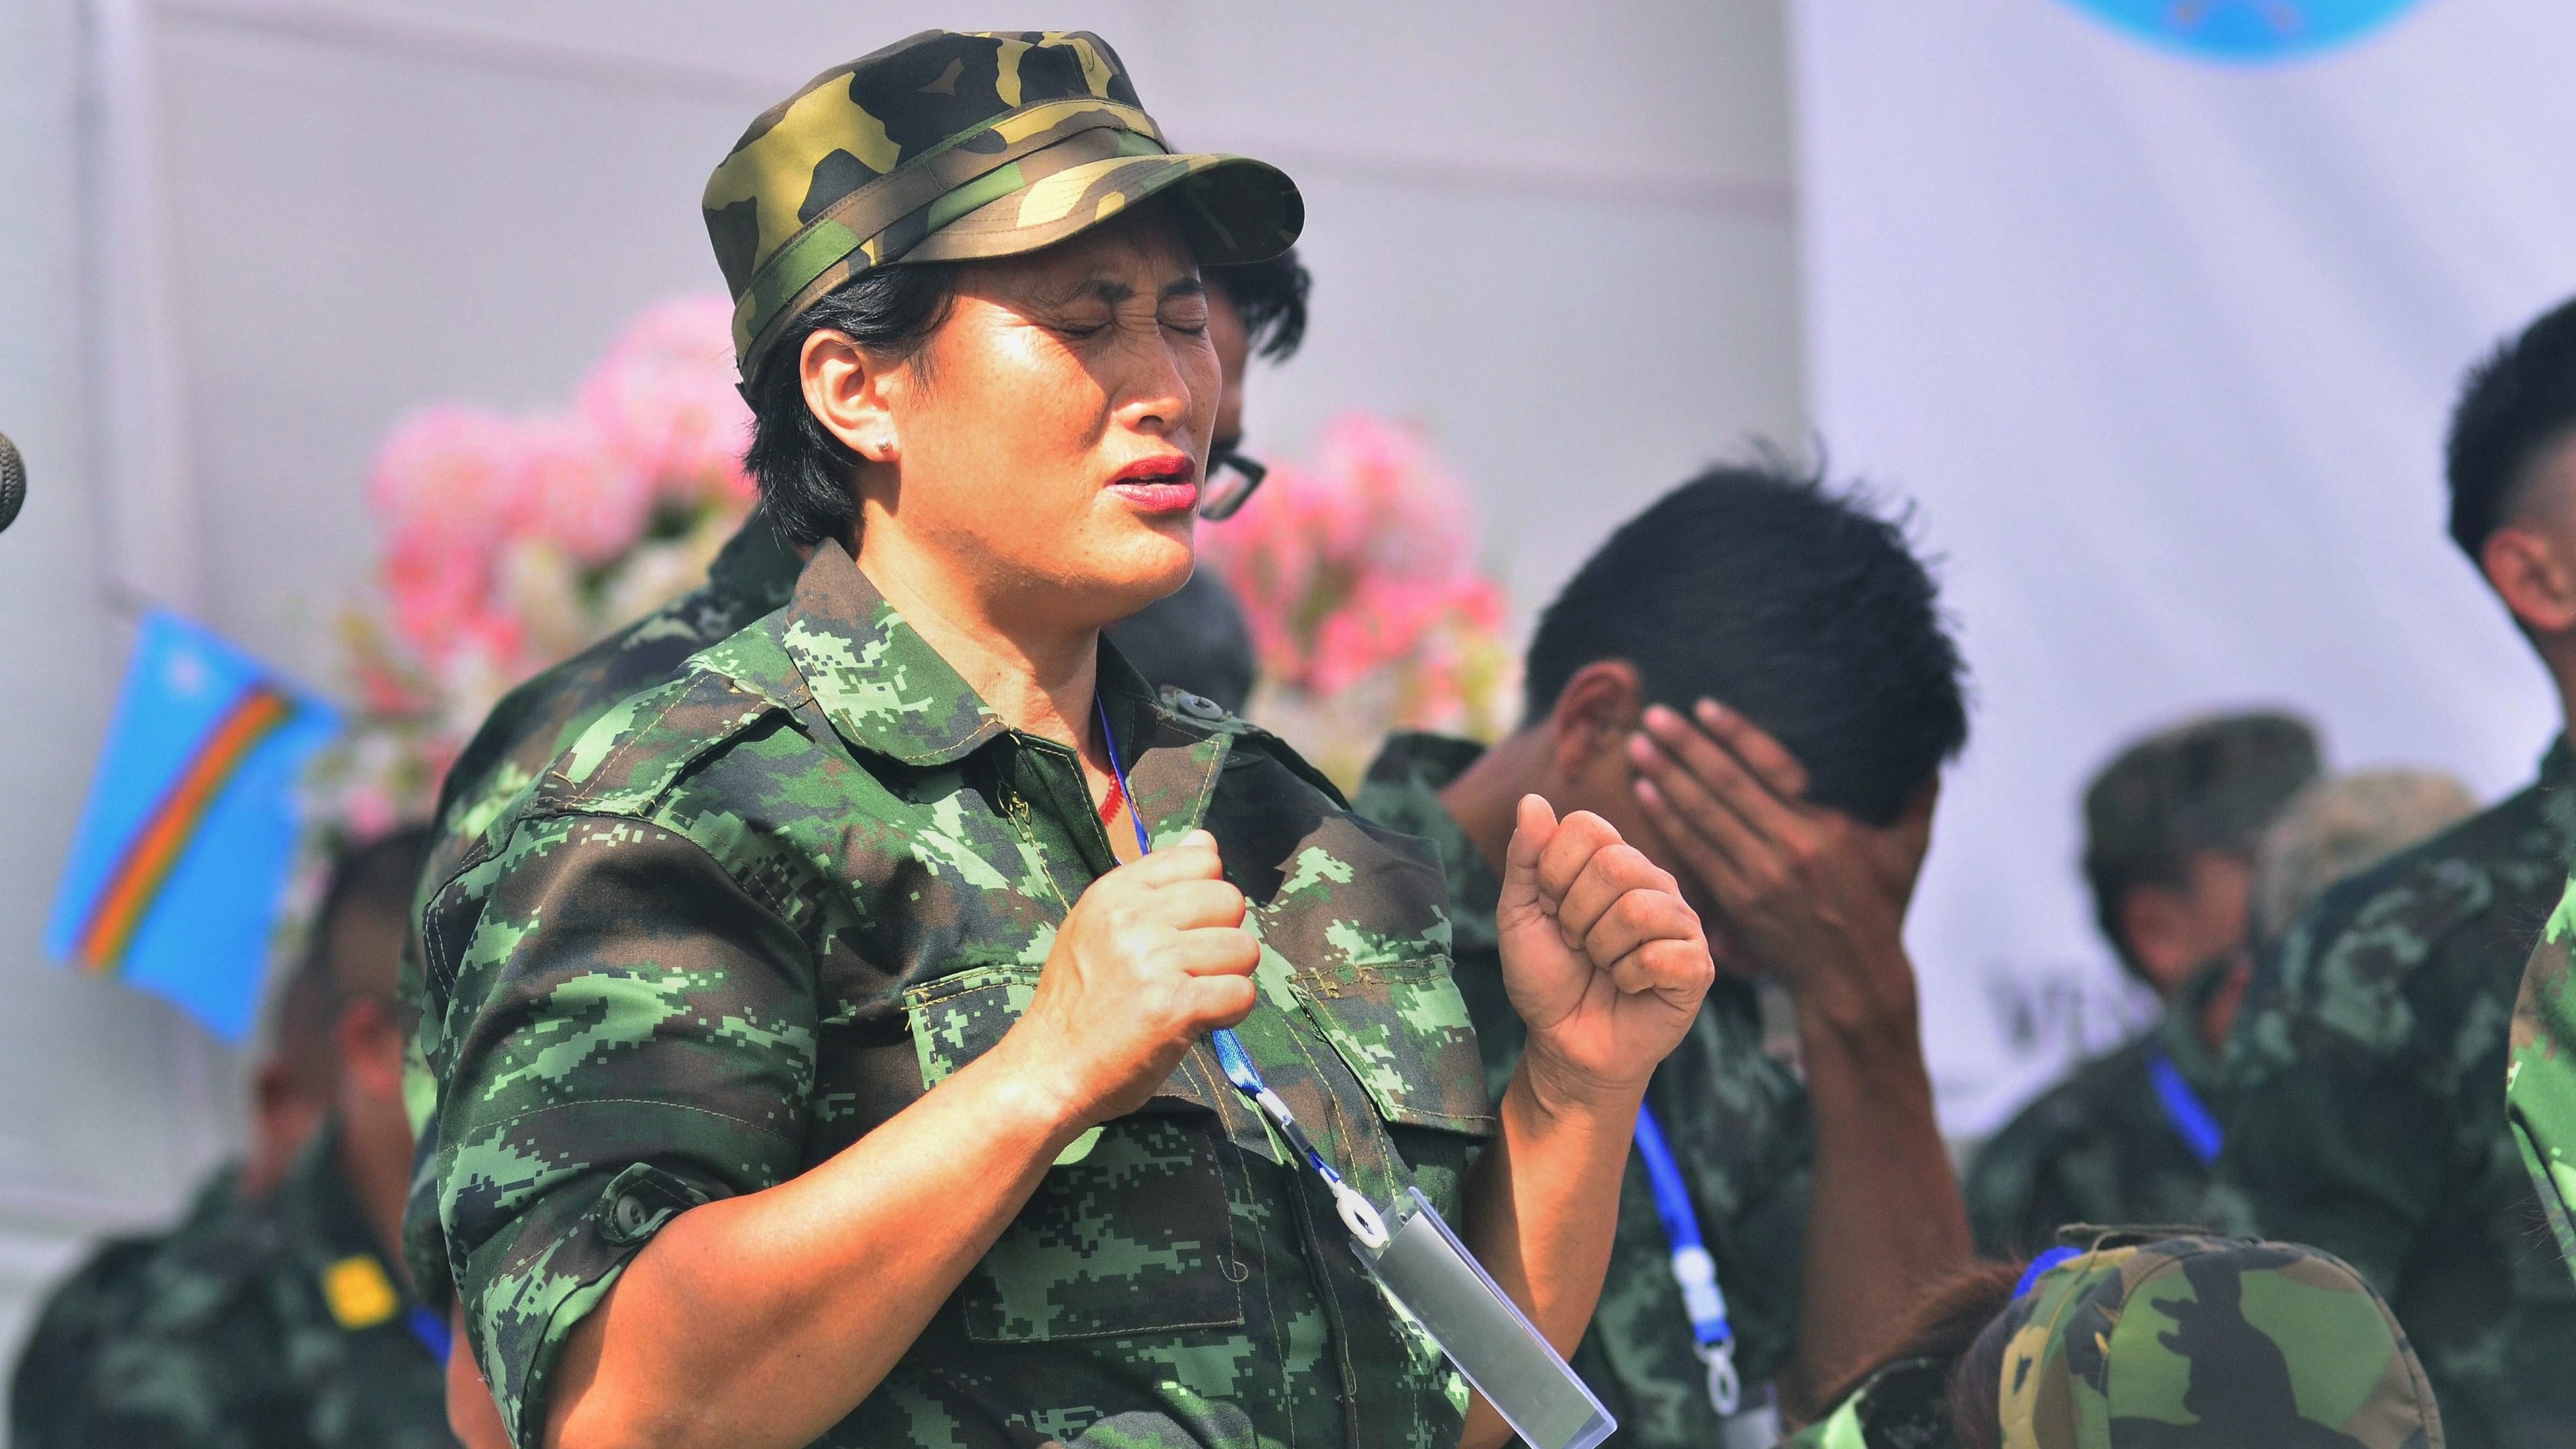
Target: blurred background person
2341 826
285 1318
2171 826
1197 639
2138 1338
51 1404
2363 1095
1750 680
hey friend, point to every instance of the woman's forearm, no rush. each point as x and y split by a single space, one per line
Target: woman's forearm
1541 1209
764 1319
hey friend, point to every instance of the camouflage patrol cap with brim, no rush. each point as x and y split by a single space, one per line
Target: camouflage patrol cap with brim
950 147
2192 1341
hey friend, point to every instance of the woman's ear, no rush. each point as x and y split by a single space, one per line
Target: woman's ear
848 390
1599 708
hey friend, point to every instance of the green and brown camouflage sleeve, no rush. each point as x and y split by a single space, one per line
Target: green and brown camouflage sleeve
630 1033
2540 1076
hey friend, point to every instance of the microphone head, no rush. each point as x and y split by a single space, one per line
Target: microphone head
13 481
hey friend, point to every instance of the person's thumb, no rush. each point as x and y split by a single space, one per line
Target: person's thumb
1533 826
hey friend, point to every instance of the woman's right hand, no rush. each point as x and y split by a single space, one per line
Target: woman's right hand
1151 958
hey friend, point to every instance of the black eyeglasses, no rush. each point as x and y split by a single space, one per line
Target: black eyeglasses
1231 481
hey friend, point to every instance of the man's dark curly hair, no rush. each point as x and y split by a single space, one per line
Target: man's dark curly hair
2516 406
1799 606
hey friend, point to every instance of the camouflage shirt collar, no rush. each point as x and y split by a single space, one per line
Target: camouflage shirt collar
756 565
2179 1031
888 691
334 1245
1402 792
2558 794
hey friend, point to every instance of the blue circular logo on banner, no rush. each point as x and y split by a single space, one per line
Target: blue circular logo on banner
2249 30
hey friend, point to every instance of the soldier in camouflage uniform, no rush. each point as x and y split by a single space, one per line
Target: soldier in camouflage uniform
1196 639
2171 825
2540 1094
275 1318
815 1057
2170 1343
1700 595
2361 1096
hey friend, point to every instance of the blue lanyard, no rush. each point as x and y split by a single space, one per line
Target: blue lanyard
1356 1212
2192 1121
1693 1269
430 1330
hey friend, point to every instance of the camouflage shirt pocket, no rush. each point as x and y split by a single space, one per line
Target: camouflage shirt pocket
1131 1233
1401 1026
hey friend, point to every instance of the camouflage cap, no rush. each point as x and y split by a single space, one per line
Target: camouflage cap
950 146
2207 1340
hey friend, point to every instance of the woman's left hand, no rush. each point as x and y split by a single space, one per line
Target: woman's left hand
1602 958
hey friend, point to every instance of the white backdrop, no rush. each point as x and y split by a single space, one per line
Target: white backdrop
2165 347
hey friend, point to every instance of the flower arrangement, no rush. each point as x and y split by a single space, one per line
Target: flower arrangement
507 543
1359 578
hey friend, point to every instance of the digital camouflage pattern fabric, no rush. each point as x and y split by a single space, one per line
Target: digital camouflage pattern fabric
756 911
754 574
2103 1146
2362 1101
269 1324
949 147
2540 1084
1736 1120
2215 1341
2188 1341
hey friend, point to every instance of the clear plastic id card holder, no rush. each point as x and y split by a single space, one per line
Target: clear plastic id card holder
1426 1269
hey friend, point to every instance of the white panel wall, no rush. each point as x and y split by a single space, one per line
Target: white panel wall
1561 237
2167 349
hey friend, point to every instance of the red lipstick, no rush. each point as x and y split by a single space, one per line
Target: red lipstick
1164 483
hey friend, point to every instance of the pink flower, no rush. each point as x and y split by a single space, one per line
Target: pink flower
446 479
577 493
663 399
1344 568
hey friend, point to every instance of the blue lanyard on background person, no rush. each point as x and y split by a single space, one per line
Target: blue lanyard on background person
430 1331
1693 1269
2192 1120
1357 1213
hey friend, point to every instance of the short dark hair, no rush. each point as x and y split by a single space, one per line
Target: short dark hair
803 471
380 877
1271 298
2516 405
2210 784
1800 607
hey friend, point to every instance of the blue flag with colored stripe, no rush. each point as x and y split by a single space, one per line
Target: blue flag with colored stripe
178 869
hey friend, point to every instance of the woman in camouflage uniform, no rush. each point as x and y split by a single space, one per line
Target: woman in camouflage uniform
822 1058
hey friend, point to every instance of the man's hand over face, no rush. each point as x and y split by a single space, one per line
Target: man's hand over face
1810 895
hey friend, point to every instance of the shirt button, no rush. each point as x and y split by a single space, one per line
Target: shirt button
631 1214
1202 708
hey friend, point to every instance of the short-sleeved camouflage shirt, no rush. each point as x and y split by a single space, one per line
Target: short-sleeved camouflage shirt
2103 1146
2364 1112
266 1324
1736 1120
531 725
754 913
